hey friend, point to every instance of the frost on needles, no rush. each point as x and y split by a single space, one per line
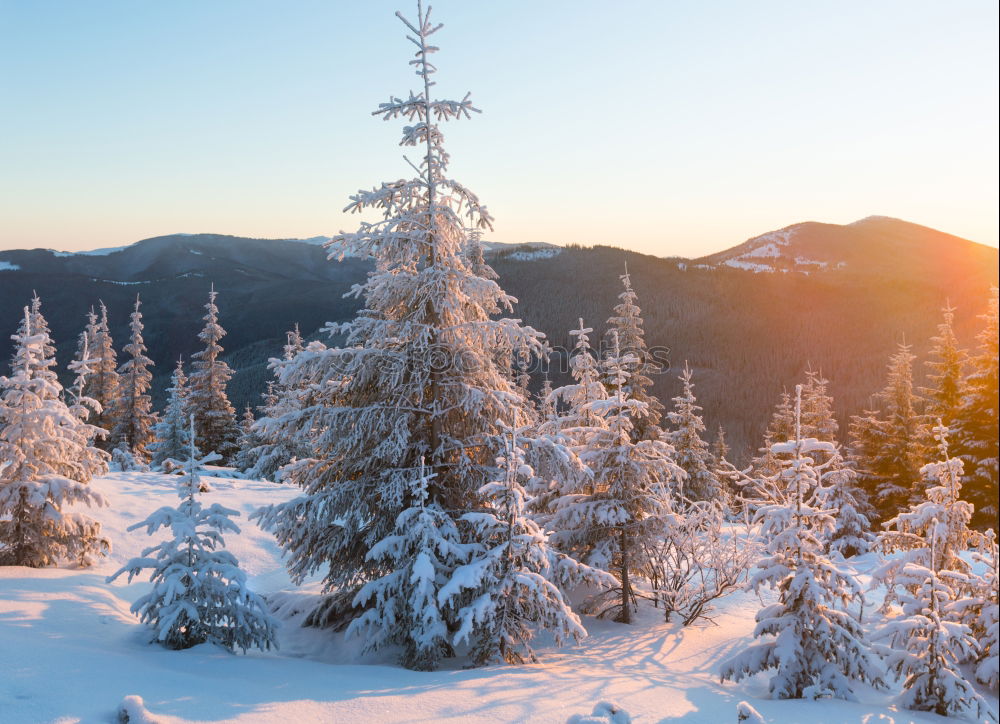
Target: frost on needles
814 646
47 457
422 376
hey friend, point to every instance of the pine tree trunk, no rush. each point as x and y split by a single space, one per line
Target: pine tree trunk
626 614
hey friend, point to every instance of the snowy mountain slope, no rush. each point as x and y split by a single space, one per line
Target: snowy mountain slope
876 244
70 650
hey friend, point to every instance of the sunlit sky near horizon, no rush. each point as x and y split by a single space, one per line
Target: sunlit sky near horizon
673 128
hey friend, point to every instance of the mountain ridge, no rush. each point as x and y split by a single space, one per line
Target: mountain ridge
746 335
767 252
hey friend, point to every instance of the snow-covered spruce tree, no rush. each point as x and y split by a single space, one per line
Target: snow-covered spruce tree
976 439
573 401
81 367
839 493
102 384
943 395
986 625
926 649
780 428
214 417
720 449
937 526
199 592
35 323
248 442
546 403
274 448
401 606
818 648
864 440
631 498
691 452
417 378
818 420
510 586
838 490
571 422
133 411
627 325
928 643
476 255
887 445
173 433
87 341
47 460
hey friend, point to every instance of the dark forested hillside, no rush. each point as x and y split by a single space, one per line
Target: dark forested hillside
745 334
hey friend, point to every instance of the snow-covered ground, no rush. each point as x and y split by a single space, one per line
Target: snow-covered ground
70 651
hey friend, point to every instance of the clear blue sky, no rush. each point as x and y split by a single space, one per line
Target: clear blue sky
666 126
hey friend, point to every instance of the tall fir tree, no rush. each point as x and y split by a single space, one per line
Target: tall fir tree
886 446
976 438
630 502
248 442
571 421
691 452
133 411
103 383
83 365
781 427
417 378
943 395
172 433
34 323
87 341
46 460
214 417
572 402
818 419
627 325
477 255
818 648
273 448
720 448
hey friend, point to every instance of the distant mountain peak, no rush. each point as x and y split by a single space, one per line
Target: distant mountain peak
875 219
874 244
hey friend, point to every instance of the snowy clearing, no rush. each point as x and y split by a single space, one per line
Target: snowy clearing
71 651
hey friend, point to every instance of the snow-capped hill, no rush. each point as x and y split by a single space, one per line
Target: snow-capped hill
522 252
875 244
531 255
775 251
93 252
